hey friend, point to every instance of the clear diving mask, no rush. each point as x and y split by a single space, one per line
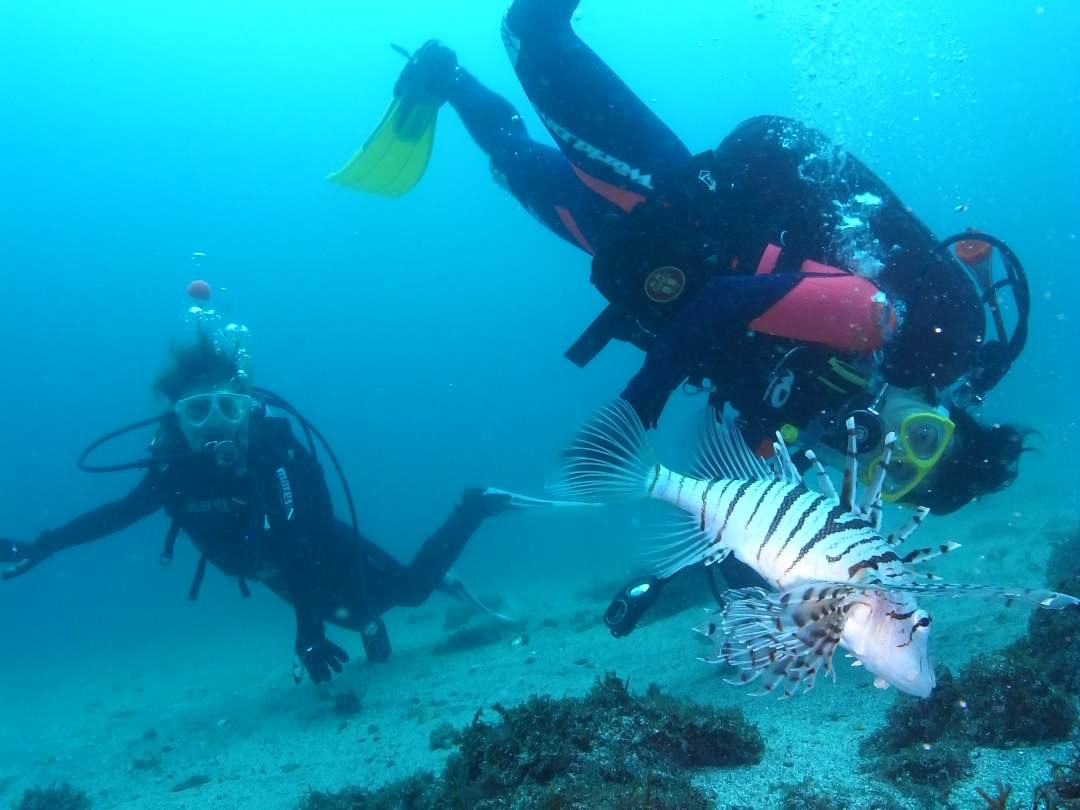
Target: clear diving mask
216 422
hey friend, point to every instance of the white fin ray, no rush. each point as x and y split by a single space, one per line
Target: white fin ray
725 454
784 638
825 484
683 543
925 584
871 496
610 459
909 528
789 473
877 512
851 468
921 555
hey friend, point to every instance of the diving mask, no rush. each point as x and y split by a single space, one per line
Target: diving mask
216 422
922 439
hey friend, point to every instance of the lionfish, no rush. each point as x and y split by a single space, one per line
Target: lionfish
839 581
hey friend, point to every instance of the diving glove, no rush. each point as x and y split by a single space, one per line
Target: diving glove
429 76
21 556
319 657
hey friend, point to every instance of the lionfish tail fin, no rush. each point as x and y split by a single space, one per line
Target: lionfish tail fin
610 459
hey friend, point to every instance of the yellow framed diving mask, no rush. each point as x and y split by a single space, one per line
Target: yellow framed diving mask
921 441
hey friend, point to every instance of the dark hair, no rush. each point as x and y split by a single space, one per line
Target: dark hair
983 459
197 364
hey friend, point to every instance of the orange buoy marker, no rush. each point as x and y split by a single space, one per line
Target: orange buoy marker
199 289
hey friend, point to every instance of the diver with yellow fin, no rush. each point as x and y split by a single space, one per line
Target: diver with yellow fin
394 157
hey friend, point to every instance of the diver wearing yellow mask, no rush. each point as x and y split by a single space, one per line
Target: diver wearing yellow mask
923 437
943 458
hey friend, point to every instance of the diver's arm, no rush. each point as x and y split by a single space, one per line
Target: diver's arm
309 531
717 316
108 519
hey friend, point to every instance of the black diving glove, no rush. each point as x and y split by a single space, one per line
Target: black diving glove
22 556
429 76
319 656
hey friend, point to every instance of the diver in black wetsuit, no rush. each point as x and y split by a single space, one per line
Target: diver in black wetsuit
252 498
775 270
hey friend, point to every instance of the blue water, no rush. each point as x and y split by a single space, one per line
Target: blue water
424 335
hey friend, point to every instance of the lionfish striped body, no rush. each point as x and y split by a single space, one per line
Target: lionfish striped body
839 581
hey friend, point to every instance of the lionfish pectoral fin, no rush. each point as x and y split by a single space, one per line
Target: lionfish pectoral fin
784 638
920 555
931 585
681 542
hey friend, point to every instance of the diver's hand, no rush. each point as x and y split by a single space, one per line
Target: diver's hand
22 557
320 656
647 398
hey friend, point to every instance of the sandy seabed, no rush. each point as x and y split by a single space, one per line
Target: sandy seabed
128 727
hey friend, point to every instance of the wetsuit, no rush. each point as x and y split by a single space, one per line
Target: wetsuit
712 263
276 524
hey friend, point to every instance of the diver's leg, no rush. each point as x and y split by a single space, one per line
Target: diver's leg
618 145
538 176
359 581
442 549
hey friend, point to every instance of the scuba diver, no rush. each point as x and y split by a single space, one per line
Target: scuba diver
776 272
229 472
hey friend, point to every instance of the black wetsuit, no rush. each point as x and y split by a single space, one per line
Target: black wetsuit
276 523
623 187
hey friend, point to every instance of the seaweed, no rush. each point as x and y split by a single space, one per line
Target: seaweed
1019 695
1010 701
347 703
418 792
923 743
443 737
1062 790
148 763
198 780
1053 636
998 800
473 636
608 749
806 796
54 797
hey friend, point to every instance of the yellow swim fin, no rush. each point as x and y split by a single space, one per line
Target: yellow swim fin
394 158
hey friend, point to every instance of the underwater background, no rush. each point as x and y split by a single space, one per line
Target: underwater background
149 144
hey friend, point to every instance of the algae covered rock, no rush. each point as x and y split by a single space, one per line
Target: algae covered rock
1011 701
55 797
923 742
1053 636
609 749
